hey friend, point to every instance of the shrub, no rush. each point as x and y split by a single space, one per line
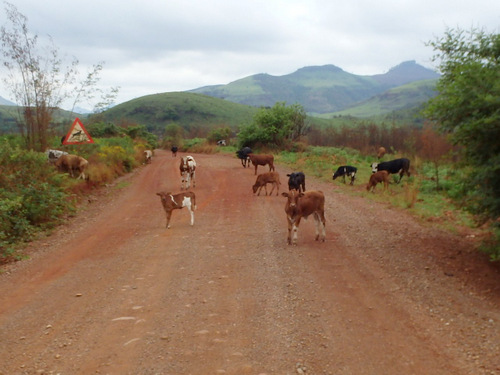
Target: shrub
32 196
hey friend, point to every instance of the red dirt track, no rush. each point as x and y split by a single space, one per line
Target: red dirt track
114 292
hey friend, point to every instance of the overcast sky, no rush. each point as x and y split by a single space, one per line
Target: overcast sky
154 46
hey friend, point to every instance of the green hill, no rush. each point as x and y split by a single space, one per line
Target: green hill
319 89
188 110
401 98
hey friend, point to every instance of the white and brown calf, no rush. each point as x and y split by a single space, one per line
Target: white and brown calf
187 168
301 205
267 178
171 202
148 156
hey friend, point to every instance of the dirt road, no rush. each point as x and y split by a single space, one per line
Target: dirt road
114 292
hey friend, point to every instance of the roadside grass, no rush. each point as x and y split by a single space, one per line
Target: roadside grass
416 194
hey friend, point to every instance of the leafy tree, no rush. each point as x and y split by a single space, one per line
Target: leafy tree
218 134
275 126
468 108
39 81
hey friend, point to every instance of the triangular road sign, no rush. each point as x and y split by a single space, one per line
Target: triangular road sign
77 135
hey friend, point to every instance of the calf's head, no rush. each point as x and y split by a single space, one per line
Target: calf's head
292 199
374 167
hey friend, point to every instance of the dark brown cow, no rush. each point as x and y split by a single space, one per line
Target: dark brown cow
72 163
301 205
267 178
262 160
171 202
377 177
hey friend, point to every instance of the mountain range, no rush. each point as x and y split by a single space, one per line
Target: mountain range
319 89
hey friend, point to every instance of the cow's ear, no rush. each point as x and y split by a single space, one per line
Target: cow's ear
301 195
284 194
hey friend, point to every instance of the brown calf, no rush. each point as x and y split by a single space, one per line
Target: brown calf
301 205
262 160
267 178
381 152
377 177
171 202
71 163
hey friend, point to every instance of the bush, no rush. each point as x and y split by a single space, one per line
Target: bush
32 196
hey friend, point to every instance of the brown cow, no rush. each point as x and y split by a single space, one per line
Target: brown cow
377 177
262 160
70 163
301 205
171 202
381 152
267 178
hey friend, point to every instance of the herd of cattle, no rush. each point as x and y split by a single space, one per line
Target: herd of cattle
299 202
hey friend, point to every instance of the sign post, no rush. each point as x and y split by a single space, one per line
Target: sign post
77 134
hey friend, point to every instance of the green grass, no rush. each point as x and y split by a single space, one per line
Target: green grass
414 194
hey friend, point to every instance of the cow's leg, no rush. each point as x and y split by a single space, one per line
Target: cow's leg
290 226
265 187
277 188
255 169
194 180
319 222
295 229
169 215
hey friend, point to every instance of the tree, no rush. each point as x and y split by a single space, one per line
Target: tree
468 108
39 81
276 126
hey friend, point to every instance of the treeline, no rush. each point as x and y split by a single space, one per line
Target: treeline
368 137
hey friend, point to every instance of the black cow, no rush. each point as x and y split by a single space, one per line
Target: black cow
243 155
174 150
401 166
297 181
346 170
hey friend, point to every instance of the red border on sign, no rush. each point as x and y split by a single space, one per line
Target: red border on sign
77 121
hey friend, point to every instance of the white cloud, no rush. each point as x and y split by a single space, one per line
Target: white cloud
160 46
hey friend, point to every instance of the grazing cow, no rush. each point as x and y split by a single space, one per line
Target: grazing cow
401 166
171 202
346 170
381 152
301 205
187 167
262 160
70 163
243 155
148 154
53 155
297 181
174 150
221 142
377 177
267 178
